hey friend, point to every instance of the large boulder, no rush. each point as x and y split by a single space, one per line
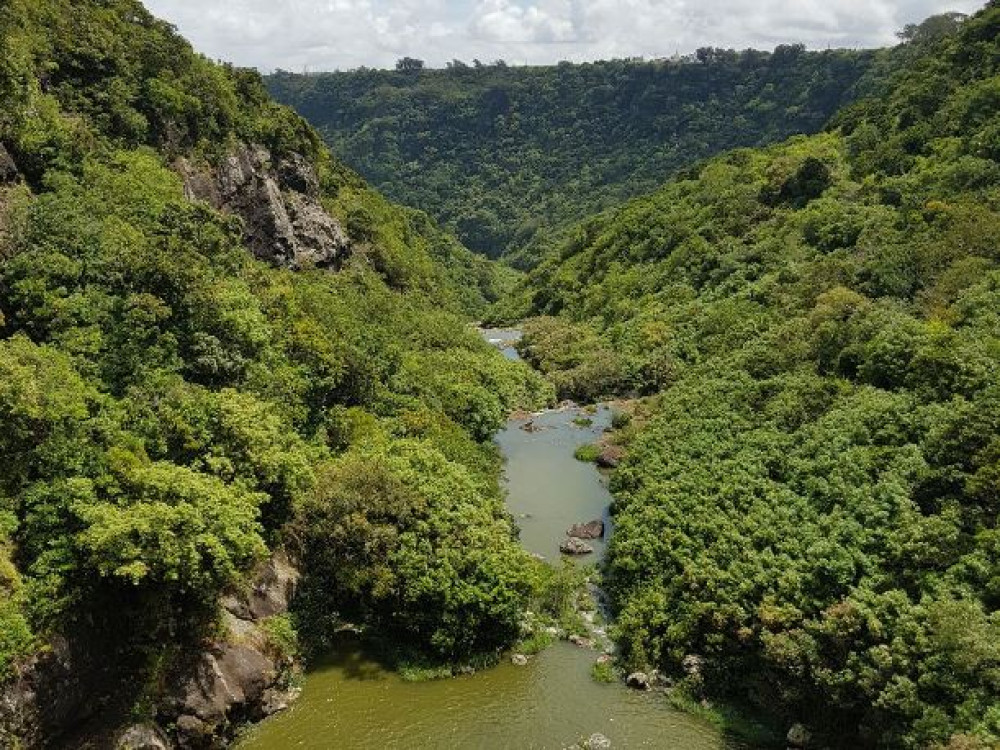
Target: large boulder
592 530
574 546
278 201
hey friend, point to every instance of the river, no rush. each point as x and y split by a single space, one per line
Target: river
352 701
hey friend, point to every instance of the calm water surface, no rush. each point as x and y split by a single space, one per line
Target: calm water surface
352 701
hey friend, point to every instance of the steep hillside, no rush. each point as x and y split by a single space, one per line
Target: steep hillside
507 157
214 338
806 519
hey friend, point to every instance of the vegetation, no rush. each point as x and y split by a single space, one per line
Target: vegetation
811 506
173 409
508 157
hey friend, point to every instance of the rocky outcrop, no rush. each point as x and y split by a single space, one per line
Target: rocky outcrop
278 201
58 689
574 546
142 737
79 692
241 679
592 530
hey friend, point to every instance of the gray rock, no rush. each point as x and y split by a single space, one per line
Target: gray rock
283 220
519 660
581 641
638 681
798 736
597 741
142 737
592 530
574 546
192 731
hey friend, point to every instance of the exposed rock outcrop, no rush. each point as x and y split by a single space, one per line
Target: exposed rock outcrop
242 678
278 201
78 693
142 737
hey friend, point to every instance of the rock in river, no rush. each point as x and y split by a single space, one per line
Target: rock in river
519 660
574 546
592 530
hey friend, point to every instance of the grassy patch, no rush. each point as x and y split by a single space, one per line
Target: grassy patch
535 643
603 671
728 719
587 453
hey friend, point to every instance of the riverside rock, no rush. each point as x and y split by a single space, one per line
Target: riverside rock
574 546
638 681
610 457
592 530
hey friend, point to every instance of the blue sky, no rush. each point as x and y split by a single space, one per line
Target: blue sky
339 34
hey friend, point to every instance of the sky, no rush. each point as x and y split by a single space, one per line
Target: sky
319 35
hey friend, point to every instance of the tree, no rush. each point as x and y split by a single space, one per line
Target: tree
409 65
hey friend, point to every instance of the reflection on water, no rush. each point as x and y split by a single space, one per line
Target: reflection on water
352 701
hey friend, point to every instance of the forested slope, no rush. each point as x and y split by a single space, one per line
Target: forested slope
173 409
507 157
809 503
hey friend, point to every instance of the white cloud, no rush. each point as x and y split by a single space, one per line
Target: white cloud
330 34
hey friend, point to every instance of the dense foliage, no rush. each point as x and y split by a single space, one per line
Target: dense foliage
810 503
171 409
508 156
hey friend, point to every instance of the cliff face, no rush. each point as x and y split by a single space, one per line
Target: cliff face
78 692
279 203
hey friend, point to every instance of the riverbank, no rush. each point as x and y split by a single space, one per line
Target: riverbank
549 699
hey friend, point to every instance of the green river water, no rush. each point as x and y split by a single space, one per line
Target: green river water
352 701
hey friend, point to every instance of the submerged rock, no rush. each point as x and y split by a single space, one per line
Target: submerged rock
574 546
592 530
597 741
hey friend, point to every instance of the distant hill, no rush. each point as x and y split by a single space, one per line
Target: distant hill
507 157
806 516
